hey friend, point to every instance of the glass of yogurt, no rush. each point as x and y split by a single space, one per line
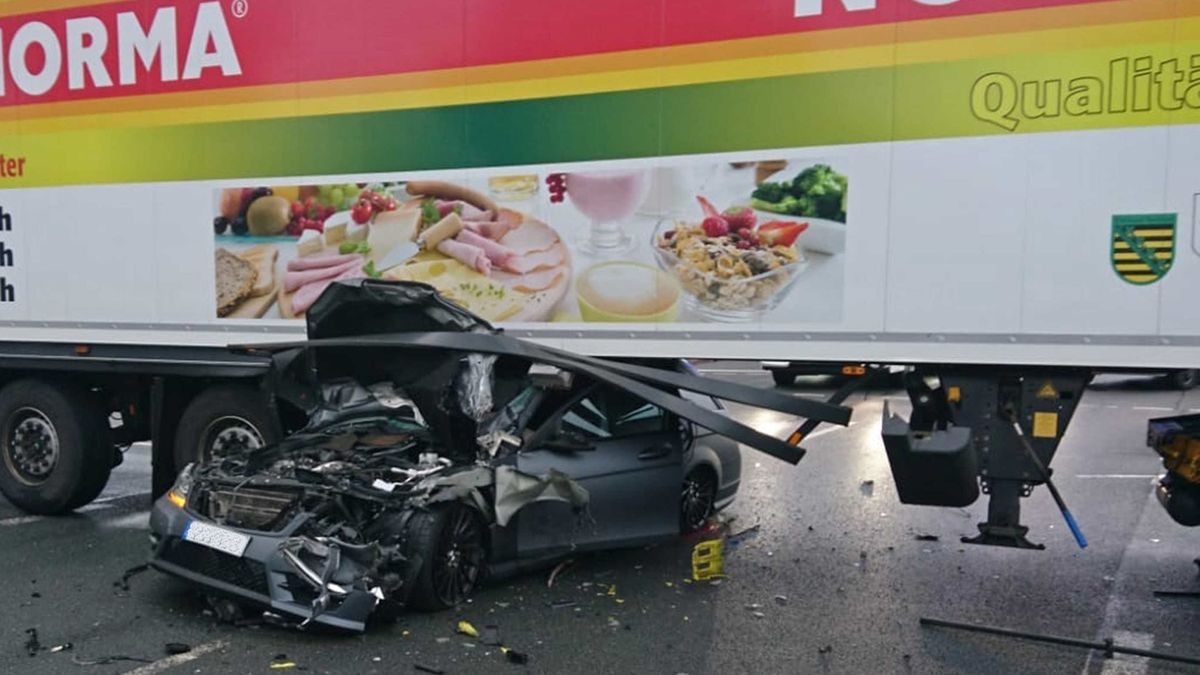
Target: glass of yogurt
607 199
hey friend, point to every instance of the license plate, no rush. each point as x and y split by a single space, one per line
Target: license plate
217 538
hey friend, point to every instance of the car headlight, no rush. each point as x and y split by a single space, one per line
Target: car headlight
178 494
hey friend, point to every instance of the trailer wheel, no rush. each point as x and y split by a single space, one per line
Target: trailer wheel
223 420
55 450
1186 379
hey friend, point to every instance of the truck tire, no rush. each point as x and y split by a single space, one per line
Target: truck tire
56 452
220 420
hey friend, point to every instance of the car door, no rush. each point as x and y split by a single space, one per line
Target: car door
628 455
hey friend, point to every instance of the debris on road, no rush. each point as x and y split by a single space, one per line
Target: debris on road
465 628
557 570
867 487
515 656
108 660
32 646
123 582
175 648
735 540
282 662
708 561
825 650
427 669
561 604
781 600
64 647
491 636
928 537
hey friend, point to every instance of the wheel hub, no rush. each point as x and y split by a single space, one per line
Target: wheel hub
31 446
230 435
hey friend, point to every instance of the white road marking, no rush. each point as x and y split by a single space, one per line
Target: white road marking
1154 407
1117 598
1143 476
179 659
760 371
828 430
133 521
1126 664
20 520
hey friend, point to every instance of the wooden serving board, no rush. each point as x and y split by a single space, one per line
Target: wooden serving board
255 308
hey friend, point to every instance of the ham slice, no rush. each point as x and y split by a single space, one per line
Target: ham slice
471 256
536 260
296 279
315 262
494 230
497 253
531 282
529 237
307 295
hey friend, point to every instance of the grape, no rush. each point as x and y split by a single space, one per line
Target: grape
220 224
239 226
337 197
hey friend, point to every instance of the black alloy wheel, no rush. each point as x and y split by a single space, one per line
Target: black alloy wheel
698 499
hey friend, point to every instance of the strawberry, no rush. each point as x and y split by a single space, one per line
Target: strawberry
740 217
780 232
715 226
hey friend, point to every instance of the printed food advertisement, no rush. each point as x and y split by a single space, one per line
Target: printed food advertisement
750 241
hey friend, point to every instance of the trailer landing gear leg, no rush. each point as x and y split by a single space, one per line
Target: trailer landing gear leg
1003 526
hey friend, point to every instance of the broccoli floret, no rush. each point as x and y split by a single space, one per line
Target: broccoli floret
810 177
770 192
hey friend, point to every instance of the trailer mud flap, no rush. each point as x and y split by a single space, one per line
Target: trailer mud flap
935 468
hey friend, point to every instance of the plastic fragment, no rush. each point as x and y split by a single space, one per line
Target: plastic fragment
174 648
515 656
64 647
927 537
612 591
123 582
467 629
708 560
282 662
427 669
558 569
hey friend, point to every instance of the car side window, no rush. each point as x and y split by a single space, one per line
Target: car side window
632 416
587 418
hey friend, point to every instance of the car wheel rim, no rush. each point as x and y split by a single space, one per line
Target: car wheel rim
699 492
459 558
229 435
31 446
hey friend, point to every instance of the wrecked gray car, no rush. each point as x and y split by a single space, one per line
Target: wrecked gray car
438 452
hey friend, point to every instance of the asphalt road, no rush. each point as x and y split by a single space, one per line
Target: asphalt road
835 580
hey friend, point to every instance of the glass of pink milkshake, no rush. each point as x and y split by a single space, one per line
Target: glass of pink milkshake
608 198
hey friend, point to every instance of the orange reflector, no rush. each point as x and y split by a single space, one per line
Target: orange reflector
83 350
795 438
954 394
855 371
176 498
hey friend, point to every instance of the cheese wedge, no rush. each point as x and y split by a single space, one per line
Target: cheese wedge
463 286
390 229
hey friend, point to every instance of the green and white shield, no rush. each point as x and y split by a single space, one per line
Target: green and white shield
1143 246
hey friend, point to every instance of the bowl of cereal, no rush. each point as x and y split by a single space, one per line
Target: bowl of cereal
730 277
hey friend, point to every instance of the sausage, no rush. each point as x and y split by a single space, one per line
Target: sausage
453 192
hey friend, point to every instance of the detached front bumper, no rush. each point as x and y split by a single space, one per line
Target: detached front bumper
261 576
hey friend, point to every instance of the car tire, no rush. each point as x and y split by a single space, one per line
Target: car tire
1186 379
449 542
68 430
222 419
698 499
783 378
